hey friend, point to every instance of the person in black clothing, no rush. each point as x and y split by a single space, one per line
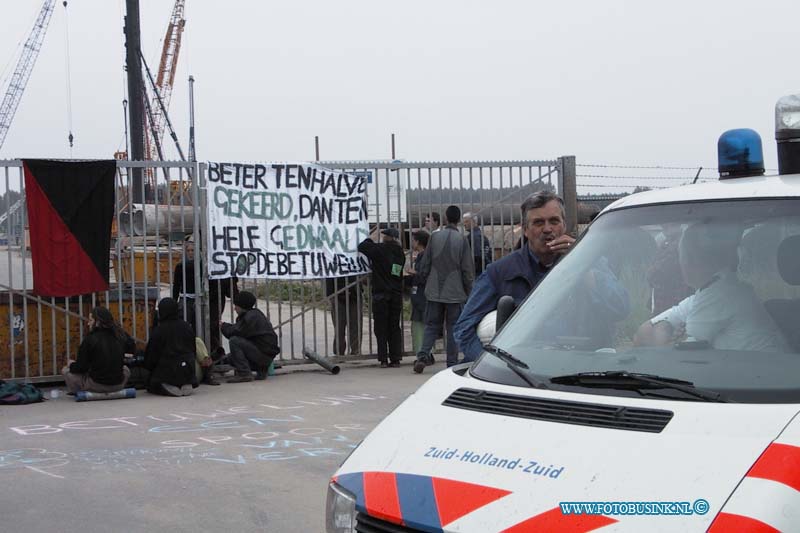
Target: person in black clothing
183 292
100 366
417 284
346 312
481 247
252 340
387 260
171 353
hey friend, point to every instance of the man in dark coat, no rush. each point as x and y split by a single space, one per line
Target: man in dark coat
387 260
252 340
418 301
171 353
344 295
183 292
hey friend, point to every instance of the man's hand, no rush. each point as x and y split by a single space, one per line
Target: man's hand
561 245
207 362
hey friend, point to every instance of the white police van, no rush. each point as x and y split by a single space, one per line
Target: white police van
672 408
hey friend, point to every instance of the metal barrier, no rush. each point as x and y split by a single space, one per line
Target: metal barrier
151 258
38 335
318 314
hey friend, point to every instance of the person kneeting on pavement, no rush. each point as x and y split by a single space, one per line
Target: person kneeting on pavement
100 365
449 270
387 260
252 339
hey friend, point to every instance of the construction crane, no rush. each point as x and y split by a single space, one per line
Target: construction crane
30 52
165 80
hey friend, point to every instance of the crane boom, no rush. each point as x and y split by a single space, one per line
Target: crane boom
30 52
165 78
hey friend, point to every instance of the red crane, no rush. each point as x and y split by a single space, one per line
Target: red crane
165 80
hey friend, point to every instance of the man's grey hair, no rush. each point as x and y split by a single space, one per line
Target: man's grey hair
539 199
476 218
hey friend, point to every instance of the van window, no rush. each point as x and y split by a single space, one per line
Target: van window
704 292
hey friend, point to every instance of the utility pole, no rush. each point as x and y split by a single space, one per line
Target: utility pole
567 188
133 65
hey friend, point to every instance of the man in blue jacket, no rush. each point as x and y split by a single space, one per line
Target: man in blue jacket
517 274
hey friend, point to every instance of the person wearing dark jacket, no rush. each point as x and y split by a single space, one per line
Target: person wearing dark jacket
252 340
418 301
387 260
183 292
100 366
344 295
171 353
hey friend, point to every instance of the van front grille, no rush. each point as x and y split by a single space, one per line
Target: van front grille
560 411
370 524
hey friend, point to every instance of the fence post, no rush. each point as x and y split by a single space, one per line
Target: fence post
568 189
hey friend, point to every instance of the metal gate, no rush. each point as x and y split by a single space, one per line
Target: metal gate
319 314
156 230
38 335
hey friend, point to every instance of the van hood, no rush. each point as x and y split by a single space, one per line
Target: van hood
469 466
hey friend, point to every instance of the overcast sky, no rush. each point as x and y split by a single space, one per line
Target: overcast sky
614 82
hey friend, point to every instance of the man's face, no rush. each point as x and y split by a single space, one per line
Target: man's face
467 223
430 223
544 224
189 250
387 238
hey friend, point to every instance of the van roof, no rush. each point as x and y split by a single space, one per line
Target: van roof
786 186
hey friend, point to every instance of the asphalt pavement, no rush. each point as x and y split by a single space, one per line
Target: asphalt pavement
238 457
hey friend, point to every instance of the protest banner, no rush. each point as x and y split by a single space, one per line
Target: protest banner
285 221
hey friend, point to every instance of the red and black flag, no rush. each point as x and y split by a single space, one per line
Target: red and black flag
70 208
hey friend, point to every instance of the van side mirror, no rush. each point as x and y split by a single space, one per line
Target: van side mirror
505 308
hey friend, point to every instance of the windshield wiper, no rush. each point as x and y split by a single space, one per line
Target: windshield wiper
518 366
636 381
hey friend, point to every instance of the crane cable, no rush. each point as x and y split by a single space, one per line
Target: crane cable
69 77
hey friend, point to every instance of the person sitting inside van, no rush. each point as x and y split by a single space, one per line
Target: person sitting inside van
252 340
171 353
100 365
724 311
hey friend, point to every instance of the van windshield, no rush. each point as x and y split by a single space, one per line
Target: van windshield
703 292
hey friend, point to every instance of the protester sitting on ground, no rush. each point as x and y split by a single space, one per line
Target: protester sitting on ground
252 339
171 353
100 365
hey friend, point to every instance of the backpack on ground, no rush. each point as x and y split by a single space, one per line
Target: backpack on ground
18 394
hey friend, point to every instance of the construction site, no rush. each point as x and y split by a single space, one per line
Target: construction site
160 207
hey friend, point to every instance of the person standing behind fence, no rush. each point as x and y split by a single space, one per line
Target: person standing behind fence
449 271
420 240
253 341
481 246
387 260
433 222
183 292
100 365
344 295
171 353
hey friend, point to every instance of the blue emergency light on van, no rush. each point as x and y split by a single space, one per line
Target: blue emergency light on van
739 154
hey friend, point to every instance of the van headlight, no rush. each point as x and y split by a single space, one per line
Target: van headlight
340 511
